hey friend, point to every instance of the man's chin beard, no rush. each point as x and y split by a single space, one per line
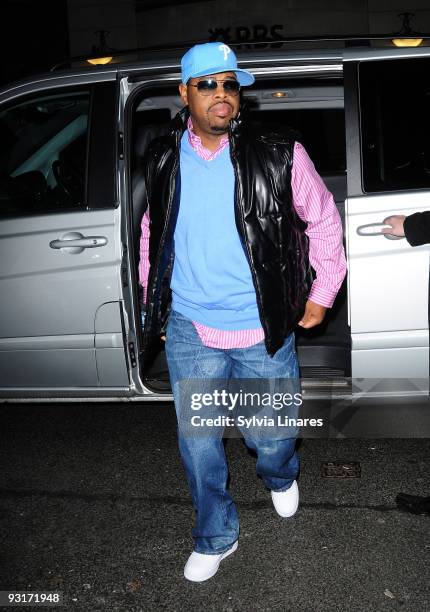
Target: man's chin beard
219 130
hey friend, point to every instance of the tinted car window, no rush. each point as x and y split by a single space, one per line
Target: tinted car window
43 150
394 109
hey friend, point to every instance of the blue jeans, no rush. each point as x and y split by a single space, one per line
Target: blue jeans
217 526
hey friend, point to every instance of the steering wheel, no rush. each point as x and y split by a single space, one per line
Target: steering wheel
69 180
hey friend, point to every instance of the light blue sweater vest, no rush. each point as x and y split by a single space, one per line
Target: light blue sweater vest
211 279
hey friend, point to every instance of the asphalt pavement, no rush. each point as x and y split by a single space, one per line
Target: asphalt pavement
94 503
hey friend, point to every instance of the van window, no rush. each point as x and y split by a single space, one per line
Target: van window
43 154
394 113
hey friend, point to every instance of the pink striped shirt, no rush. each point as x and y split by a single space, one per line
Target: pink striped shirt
315 205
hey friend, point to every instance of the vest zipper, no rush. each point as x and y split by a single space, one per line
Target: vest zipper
238 206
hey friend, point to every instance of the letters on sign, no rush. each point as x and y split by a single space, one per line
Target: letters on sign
254 37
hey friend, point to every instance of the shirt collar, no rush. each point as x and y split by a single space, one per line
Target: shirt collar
196 142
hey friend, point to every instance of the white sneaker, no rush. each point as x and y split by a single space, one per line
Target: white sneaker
286 502
201 567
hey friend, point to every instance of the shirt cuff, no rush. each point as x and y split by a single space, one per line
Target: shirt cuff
322 296
142 296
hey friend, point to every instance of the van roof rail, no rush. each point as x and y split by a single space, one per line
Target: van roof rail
255 44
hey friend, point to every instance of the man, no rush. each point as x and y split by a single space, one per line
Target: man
227 240
416 229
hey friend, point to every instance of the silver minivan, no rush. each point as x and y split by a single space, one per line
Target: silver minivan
72 199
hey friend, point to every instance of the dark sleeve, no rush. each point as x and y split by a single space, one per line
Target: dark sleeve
417 228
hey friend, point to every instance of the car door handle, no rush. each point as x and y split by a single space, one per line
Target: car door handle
374 229
86 242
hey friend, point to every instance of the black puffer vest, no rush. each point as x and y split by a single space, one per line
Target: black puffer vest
271 232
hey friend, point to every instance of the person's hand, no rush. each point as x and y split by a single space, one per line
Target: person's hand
313 315
396 222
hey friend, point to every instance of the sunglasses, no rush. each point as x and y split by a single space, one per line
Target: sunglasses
209 86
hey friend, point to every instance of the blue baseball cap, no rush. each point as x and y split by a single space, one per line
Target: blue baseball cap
211 58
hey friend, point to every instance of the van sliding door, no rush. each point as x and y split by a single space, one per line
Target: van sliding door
387 105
